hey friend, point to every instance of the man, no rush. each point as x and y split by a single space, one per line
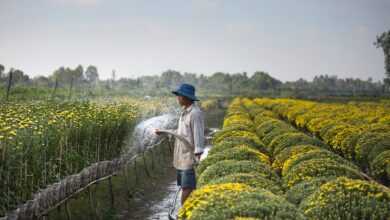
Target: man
190 126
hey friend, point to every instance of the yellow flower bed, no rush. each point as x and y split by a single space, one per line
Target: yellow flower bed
309 168
345 198
42 142
235 153
233 200
358 131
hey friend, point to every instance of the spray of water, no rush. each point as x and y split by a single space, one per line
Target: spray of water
144 135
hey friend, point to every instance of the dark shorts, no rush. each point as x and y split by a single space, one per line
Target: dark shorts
186 178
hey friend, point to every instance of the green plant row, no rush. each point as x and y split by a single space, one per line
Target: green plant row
261 167
359 132
321 183
42 142
236 180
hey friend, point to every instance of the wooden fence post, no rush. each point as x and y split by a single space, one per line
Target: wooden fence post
9 83
55 89
111 192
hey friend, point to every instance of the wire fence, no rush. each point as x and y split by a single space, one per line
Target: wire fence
130 167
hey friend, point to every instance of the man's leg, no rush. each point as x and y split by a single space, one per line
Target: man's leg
185 193
188 184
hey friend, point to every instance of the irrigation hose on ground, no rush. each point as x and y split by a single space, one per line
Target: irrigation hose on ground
171 210
172 207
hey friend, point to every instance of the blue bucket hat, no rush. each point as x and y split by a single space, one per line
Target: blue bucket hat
186 90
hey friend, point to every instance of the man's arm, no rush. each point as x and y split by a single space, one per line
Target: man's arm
198 132
157 130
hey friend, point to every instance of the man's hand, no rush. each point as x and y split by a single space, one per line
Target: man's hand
197 156
157 131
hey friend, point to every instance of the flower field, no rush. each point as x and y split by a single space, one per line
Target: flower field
42 142
293 159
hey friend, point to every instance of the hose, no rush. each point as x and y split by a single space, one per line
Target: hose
173 206
189 145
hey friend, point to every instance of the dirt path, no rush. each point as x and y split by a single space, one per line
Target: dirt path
154 201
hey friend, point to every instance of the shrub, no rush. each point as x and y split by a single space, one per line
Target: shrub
300 191
221 135
246 218
228 201
380 167
224 145
345 198
251 180
268 138
292 139
326 130
345 142
237 127
376 128
287 153
263 115
242 119
385 120
330 135
226 167
314 154
246 140
370 145
309 169
270 125
236 153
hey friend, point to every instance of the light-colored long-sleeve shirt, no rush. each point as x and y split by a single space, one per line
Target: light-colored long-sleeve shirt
190 126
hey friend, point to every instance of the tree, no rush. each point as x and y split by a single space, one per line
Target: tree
69 76
62 76
91 74
2 68
78 74
170 79
220 82
41 81
190 78
263 81
19 77
239 83
383 41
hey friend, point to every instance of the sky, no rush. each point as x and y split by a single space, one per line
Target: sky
290 39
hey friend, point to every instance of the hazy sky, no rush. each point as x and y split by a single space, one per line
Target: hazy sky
287 38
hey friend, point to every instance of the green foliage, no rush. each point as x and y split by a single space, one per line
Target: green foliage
309 169
238 120
380 167
370 145
345 198
315 154
225 134
224 145
226 167
215 202
251 180
43 142
383 41
302 190
258 145
269 125
235 153
291 152
290 139
260 115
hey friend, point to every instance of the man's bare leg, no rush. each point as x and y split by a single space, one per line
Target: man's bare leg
184 194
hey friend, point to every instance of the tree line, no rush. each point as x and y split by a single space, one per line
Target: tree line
86 81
